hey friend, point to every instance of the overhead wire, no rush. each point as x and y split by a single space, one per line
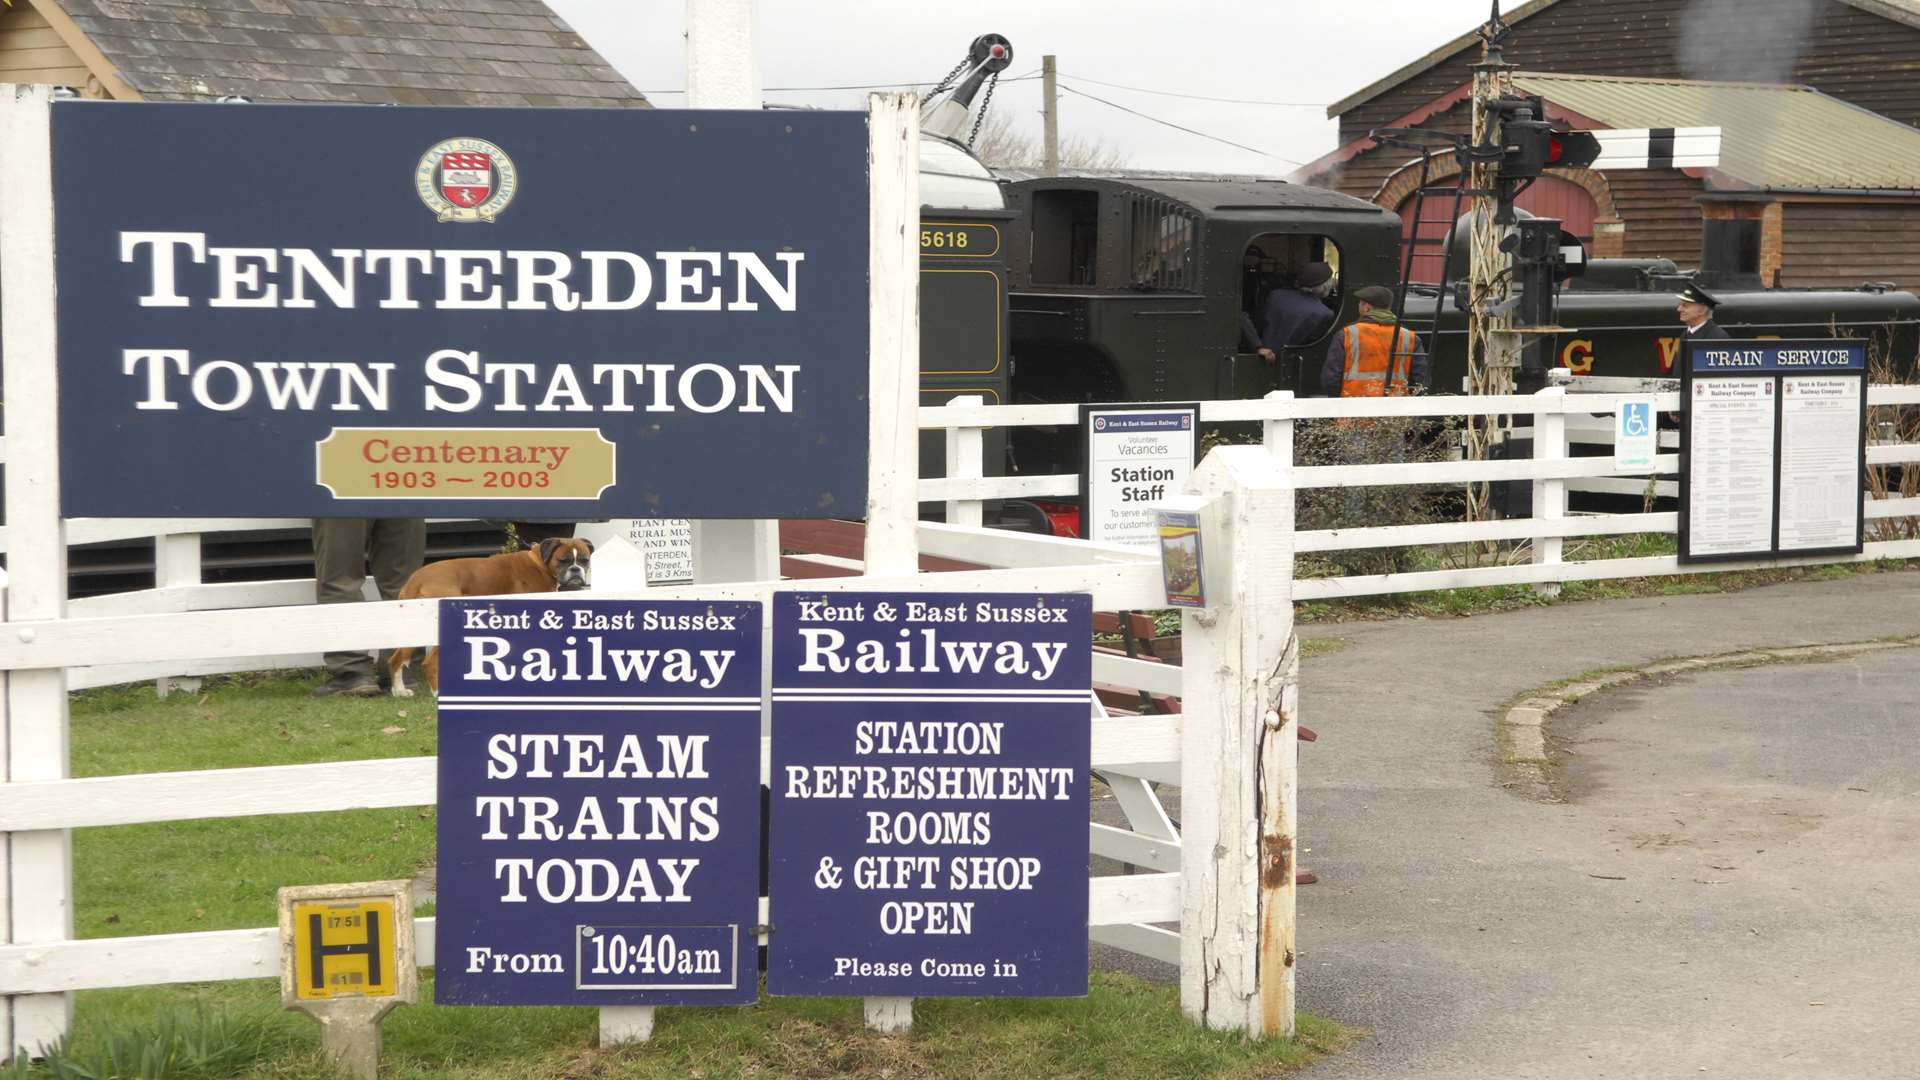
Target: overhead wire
1176 127
1201 97
862 86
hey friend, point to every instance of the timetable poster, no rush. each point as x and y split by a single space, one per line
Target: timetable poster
1773 444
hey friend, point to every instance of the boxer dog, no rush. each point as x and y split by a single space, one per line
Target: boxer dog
555 565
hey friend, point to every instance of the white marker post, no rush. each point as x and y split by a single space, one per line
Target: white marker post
36 891
618 567
893 387
723 73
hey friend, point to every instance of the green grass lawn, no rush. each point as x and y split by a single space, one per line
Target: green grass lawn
212 875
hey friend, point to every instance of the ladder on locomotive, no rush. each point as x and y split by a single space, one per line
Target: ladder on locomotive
1452 197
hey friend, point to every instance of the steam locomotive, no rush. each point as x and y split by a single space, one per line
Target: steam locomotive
1134 286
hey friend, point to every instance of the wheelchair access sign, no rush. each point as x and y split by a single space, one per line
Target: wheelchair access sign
1636 436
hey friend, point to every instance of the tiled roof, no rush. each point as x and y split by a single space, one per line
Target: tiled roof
407 52
1772 136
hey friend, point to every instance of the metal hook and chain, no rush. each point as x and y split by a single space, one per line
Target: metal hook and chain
986 102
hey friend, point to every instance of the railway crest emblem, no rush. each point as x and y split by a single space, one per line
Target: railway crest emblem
465 180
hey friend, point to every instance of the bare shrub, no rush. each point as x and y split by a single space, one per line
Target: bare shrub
1369 442
1892 424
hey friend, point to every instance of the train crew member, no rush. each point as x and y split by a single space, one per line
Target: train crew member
1298 315
1696 313
345 551
1374 357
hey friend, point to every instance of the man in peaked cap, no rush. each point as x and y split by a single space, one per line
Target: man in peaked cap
1298 315
1696 313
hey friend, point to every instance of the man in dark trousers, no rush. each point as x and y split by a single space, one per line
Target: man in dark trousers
345 551
1696 313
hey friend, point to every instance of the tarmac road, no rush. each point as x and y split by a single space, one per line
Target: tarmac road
1731 886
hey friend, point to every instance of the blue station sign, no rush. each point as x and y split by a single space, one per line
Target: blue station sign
599 787
929 775
340 311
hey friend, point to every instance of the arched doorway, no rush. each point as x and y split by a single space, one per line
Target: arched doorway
1549 196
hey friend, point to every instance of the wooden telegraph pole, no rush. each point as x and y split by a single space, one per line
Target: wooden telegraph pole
1493 350
1050 115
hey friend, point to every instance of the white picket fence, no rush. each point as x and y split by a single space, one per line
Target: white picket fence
1560 418
181 627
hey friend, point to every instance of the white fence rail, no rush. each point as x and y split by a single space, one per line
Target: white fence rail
182 628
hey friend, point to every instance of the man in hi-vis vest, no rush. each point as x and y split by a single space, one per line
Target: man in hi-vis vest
1374 357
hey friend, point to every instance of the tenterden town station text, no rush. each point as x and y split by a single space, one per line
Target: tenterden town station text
459 378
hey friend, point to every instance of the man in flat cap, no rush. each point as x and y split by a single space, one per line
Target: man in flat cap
1297 315
1696 313
1375 357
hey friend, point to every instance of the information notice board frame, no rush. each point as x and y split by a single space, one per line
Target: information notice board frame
1727 388
599 790
931 755
567 314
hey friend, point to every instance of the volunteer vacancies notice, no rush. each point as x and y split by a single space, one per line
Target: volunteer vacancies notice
929 773
599 835
562 313
1135 455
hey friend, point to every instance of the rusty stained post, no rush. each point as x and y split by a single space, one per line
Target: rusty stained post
1493 351
1279 795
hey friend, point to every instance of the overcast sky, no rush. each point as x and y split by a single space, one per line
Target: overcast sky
1304 52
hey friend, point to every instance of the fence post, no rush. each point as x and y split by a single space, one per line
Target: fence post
1239 753
893 436
723 73
1549 495
176 562
1277 434
966 461
39 867
619 567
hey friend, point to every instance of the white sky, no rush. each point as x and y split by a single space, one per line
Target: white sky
1307 51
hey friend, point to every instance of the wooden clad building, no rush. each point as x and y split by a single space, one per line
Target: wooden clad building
1809 171
1862 51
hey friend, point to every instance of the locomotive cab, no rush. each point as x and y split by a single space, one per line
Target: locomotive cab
1137 287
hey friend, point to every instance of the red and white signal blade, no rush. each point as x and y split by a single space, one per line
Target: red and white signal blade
1657 148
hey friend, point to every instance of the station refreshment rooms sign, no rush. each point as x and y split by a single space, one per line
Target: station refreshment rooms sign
1774 438
929 818
354 311
1134 456
599 794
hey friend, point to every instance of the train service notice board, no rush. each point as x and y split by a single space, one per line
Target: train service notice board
929 775
341 311
1773 438
1132 457
599 787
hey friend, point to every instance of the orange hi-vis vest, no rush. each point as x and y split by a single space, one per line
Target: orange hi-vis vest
1371 349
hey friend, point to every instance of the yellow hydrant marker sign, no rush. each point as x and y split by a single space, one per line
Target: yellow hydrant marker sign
343 948
347 959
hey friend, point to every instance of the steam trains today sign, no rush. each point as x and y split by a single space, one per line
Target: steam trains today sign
348 311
